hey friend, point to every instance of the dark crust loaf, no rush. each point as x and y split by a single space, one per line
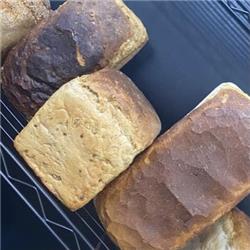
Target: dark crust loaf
189 177
80 37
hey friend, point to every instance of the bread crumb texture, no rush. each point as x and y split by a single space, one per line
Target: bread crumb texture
190 176
86 134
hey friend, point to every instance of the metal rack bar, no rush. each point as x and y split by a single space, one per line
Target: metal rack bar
34 211
95 221
233 10
9 123
11 113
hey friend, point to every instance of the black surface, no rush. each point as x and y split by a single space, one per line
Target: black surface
193 47
21 229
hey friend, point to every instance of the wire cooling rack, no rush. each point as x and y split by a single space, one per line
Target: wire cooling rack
79 230
240 10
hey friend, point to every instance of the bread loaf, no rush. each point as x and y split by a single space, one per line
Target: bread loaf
80 37
86 134
231 232
17 19
187 179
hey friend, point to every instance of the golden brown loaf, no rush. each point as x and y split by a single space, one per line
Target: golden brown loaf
80 37
231 232
18 17
86 134
191 176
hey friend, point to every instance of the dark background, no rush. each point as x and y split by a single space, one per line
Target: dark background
193 47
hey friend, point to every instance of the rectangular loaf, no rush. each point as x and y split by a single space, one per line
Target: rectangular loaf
231 232
189 177
86 134
80 37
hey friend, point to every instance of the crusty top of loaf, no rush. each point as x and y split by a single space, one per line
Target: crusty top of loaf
231 232
80 37
137 40
86 134
191 175
18 17
120 91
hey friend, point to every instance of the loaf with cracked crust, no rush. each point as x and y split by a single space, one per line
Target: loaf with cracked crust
231 232
186 180
86 134
18 17
80 37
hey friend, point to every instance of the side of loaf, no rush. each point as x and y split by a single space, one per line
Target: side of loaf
86 134
190 176
231 232
80 37
17 19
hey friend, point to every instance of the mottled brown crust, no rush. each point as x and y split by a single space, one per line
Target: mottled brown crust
80 37
193 174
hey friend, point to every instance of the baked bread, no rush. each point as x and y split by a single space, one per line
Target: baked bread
17 19
86 134
231 232
190 176
80 37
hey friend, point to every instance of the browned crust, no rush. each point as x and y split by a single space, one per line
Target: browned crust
122 92
229 232
17 19
192 175
134 44
80 37
241 225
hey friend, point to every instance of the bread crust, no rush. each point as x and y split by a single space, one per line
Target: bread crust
232 232
191 176
17 19
86 134
80 37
